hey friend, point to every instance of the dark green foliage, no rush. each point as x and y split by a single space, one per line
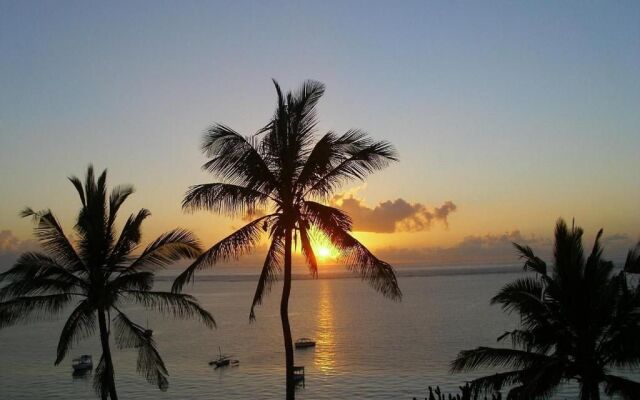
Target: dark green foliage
98 274
578 320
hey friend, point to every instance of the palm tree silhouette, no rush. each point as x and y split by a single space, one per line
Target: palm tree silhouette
100 273
578 321
282 168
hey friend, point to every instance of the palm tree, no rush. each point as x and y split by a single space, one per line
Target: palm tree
98 275
283 169
578 321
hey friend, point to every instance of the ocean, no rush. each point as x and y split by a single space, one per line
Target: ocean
368 347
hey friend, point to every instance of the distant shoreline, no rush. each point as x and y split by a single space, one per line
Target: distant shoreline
337 273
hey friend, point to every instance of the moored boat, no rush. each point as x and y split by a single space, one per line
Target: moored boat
82 363
223 360
304 343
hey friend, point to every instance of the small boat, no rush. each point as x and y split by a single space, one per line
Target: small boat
82 363
303 343
298 375
222 360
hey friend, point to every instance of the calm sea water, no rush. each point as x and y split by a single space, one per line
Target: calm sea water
367 346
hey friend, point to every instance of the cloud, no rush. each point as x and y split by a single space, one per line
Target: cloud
496 249
8 241
11 247
472 250
392 215
616 237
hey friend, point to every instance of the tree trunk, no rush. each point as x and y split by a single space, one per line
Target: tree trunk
589 391
284 315
106 353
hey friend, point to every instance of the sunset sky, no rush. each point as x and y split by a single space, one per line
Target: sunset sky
506 115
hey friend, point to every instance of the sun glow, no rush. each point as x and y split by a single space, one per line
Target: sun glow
326 253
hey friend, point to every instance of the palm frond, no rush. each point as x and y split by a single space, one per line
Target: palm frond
118 196
353 254
301 113
525 296
129 238
235 159
362 156
524 339
632 263
540 381
318 214
468 360
224 198
169 247
320 161
149 364
101 379
37 273
270 270
94 236
621 387
78 185
178 305
568 253
307 249
532 262
238 243
140 280
22 308
357 258
53 240
80 324
496 382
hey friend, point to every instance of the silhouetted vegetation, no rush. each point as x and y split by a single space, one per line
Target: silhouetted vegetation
281 170
578 320
98 275
466 393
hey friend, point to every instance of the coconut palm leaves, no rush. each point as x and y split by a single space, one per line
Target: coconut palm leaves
97 276
578 320
282 169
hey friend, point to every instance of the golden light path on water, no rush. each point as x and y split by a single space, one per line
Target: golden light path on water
325 343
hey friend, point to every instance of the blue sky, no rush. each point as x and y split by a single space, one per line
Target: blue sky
517 112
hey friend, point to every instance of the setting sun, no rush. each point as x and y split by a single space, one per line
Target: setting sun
326 252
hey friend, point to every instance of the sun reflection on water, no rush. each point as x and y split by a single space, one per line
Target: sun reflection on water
325 344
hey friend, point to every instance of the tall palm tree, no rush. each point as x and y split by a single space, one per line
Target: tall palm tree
282 169
578 321
98 275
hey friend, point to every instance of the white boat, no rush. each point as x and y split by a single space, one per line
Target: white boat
82 363
304 343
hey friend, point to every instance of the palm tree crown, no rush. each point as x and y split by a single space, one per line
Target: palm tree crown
284 167
578 320
98 275
287 171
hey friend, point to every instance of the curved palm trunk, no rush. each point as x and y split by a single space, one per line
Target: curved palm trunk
106 353
284 316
